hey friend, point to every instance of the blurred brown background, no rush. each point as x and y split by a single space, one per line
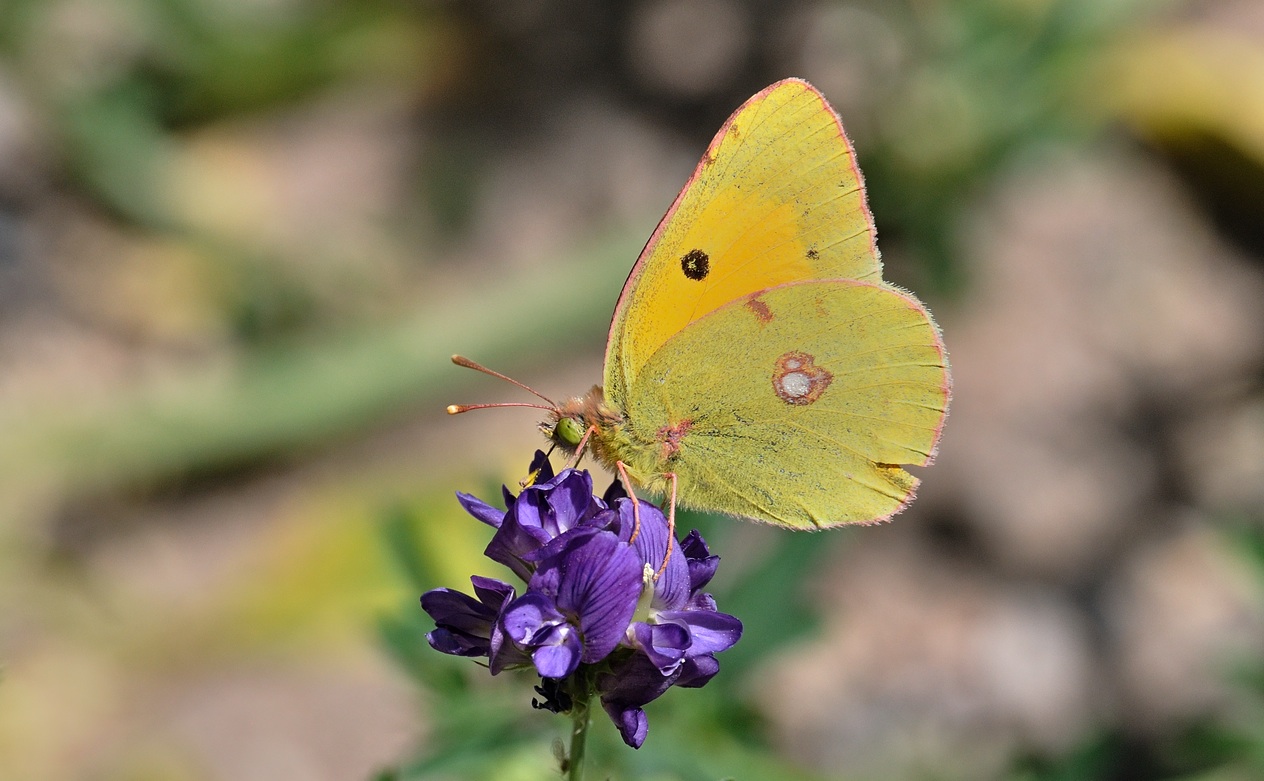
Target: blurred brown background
239 239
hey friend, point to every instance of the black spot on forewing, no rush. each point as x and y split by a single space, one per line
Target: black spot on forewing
696 264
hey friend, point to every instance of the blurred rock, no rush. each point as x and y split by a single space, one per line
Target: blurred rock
313 189
161 594
20 170
310 720
43 738
852 54
16 275
1096 290
930 666
1244 17
688 47
148 289
20 152
1184 612
1222 452
73 47
292 721
51 362
594 166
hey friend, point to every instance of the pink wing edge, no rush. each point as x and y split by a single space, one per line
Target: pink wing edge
648 249
946 386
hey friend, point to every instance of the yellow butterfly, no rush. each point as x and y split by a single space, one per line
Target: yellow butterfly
757 364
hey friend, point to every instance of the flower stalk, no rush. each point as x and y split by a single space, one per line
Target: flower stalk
581 723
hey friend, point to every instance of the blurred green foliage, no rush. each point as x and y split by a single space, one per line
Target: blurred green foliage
988 85
162 66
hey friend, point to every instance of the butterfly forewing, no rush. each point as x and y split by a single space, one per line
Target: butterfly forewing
776 198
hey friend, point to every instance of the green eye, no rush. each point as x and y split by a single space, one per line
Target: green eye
568 431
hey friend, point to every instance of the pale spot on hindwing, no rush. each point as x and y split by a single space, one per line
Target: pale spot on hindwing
798 380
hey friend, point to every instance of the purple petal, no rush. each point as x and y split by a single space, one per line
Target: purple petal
464 625
671 590
554 552
633 725
702 564
491 592
701 601
456 610
625 689
503 654
523 627
600 583
695 672
710 632
558 655
546 510
664 644
569 500
455 644
540 463
481 510
604 519
514 542
531 510
535 626
529 617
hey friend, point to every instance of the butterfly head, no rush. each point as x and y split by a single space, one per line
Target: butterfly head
582 423
566 432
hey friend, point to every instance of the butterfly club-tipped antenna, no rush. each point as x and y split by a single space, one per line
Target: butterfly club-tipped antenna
565 429
559 432
456 409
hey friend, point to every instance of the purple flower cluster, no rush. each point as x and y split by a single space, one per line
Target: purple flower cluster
594 618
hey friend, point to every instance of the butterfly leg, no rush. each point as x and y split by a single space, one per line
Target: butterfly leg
671 524
626 479
573 461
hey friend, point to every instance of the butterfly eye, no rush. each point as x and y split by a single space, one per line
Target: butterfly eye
568 432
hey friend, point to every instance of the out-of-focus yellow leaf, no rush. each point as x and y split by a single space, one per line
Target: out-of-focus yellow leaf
1180 82
322 576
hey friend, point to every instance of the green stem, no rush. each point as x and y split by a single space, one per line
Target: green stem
581 719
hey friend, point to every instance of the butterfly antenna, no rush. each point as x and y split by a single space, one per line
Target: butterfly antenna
461 360
457 409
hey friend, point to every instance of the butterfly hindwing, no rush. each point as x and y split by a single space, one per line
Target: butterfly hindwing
796 405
